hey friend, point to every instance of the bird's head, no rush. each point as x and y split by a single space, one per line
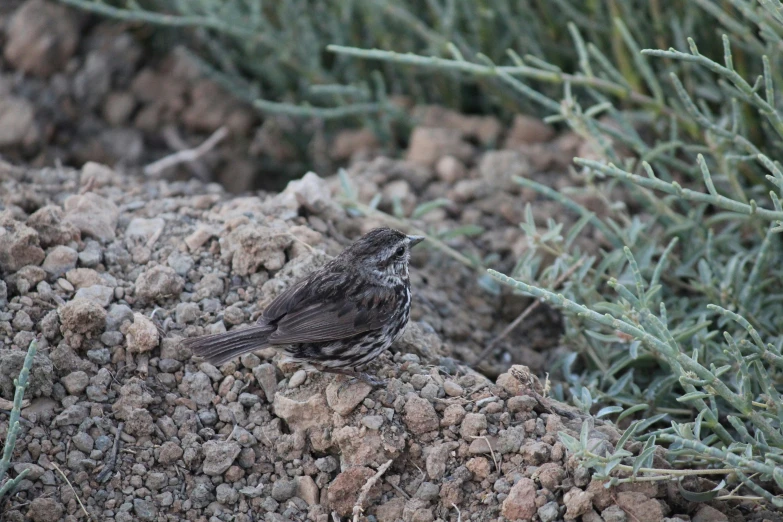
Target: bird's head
384 252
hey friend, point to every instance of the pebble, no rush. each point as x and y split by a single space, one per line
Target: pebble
297 379
59 260
453 389
373 422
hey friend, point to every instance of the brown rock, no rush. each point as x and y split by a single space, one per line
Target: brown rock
17 121
41 38
479 466
307 490
391 511
428 144
82 316
550 475
472 425
345 398
577 503
159 283
142 335
709 514
93 215
18 244
344 490
640 507
252 247
518 379
52 230
420 416
521 501
526 130
45 509
303 415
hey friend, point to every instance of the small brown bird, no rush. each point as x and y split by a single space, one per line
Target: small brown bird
339 317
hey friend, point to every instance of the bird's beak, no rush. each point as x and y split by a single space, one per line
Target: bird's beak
415 240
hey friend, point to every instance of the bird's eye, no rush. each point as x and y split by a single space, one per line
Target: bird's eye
400 252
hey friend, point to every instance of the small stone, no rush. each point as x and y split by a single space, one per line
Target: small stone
427 491
615 513
59 260
344 398
219 455
453 389
453 415
252 247
707 513
266 376
83 442
200 388
326 464
40 39
159 283
548 512
156 480
92 255
526 130
472 425
577 503
45 509
170 452
142 335
52 230
101 294
143 509
76 382
19 244
226 494
420 416
248 399
521 501
297 379
373 422
181 263
307 490
144 231
72 415
639 506
282 489
92 214
343 492
479 466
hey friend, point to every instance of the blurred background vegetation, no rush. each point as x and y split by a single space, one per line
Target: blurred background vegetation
677 324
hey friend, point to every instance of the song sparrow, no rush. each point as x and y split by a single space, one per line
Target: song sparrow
339 317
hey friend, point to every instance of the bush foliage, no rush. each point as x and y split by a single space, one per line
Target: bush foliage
677 325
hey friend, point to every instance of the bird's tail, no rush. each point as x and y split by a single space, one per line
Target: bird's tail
220 348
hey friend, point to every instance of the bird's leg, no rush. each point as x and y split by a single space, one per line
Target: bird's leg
357 376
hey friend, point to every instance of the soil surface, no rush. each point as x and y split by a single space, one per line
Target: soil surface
110 269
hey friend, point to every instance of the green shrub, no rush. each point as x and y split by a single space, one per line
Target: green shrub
678 323
6 484
274 54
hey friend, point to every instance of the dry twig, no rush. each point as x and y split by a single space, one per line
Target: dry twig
105 472
186 155
56 467
357 508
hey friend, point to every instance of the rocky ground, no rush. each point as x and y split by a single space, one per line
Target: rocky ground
110 269
111 272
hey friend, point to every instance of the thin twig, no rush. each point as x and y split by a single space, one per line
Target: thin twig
186 155
55 466
357 508
105 472
526 312
459 513
491 452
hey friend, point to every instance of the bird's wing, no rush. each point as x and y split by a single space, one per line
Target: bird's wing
341 317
